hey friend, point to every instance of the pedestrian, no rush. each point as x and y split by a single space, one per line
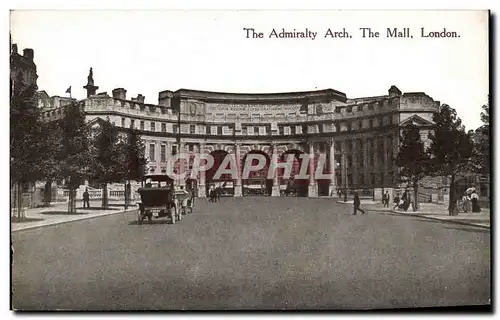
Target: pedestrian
465 202
357 203
475 202
396 202
406 200
387 199
86 198
211 194
218 191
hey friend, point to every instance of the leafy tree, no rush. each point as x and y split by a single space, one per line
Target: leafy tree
75 157
481 155
108 158
135 159
412 159
24 138
51 162
450 149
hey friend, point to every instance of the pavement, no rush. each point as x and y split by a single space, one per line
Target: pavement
252 253
431 211
57 213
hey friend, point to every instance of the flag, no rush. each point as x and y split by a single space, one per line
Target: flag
69 90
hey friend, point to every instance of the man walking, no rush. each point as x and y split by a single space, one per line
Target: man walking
387 199
86 198
357 202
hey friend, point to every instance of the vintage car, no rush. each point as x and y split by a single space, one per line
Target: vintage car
158 200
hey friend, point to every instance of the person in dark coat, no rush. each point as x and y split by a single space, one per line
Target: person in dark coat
475 202
357 203
86 198
387 199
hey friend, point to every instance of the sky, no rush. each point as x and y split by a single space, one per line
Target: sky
150 51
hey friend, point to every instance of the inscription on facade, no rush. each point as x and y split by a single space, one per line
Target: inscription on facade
259 108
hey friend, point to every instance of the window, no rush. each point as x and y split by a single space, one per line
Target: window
132 124
371 123
281 130
192 129
123 122
175 128
337 127
152 152
190 147
244 131
338 109
142 125
349 109
219 130
163 153
360 124
174 150
360 108
163 127
304 129
268 129
153 126
293 130
256 131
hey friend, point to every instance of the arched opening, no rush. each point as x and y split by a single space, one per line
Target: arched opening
292 186
225 181
324 184
257 183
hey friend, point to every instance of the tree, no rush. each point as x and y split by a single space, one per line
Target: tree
481 156
24 139
412 159
450 148
135 159
75 156
108 158
51 161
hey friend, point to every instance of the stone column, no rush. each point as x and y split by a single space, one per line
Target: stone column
157 155
182 165
366 168
274 161
377 168
355 162
238 186
312 189
202 191
343 166
387 155
332 189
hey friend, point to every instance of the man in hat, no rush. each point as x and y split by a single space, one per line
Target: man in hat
357 203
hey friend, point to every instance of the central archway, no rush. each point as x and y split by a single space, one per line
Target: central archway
225 181
257 183
292 186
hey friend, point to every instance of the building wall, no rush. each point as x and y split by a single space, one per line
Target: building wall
359 136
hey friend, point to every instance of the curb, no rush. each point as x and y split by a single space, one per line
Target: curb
394 213
68 221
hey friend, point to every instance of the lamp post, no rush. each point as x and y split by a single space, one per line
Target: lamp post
344 167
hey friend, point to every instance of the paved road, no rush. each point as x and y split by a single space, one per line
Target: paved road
252 253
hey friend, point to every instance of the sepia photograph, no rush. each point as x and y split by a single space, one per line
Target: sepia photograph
250 160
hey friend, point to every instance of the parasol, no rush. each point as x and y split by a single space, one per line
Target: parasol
470 190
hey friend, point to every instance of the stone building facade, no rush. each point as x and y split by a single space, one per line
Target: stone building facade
359 136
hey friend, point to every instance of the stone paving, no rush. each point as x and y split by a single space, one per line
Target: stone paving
57 213
436 212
